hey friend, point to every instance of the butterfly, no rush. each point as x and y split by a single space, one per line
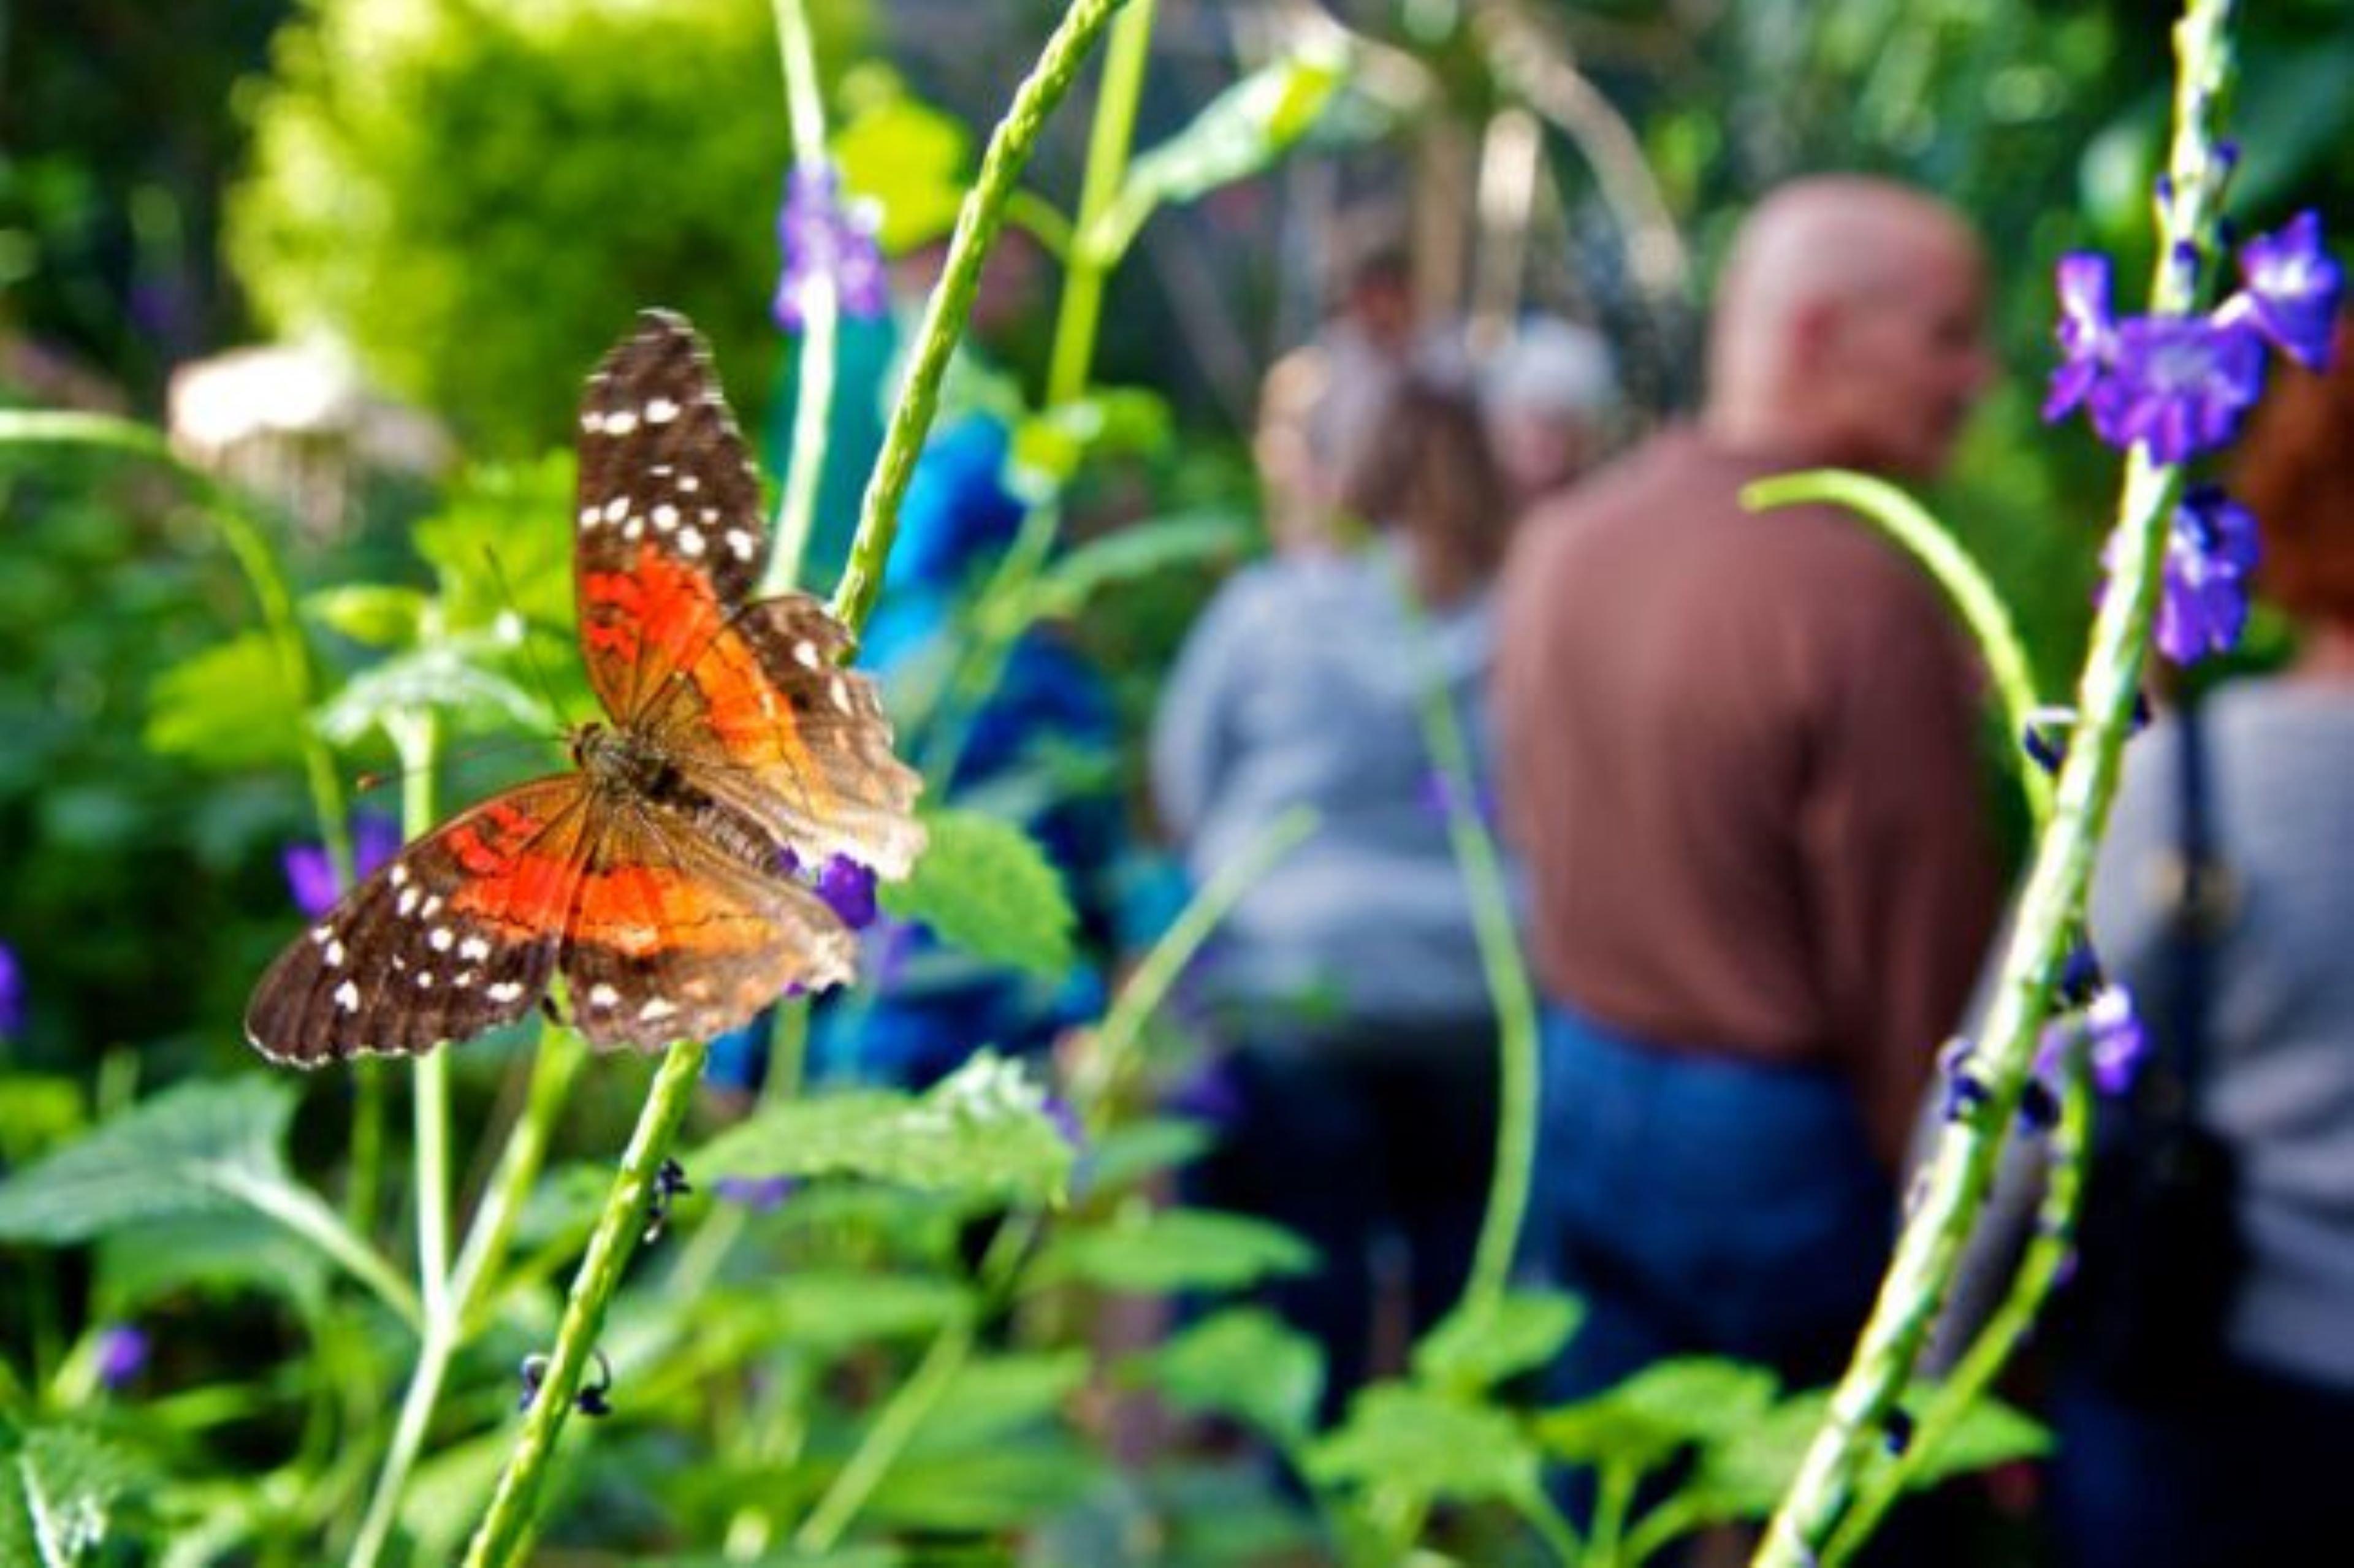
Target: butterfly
664 876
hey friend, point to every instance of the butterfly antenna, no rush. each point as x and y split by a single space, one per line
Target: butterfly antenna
530 656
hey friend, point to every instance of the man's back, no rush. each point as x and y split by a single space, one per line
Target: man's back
1738 757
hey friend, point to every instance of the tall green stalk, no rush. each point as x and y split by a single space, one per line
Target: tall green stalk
1110 134
1954 1186
978 221
815 369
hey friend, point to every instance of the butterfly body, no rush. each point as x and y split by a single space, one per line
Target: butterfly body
663 878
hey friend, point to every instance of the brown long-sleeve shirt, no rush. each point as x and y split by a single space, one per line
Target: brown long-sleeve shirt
1738 754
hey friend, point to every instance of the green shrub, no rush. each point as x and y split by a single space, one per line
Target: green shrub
476 197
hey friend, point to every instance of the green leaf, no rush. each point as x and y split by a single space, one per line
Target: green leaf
1238 133
157 1162
1128 1153
1668 1405
37 1112
983 1129
1245 1362
1003 1487
1047 448
58 1489
1745 1472
1149 1251
373 614
983 885
1429 1445
1989 1432
1484 1342
502 545
141 1263
230 706
909 159
1131 555
452 677
989 1399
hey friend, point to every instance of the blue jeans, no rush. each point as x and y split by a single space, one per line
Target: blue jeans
1702 1205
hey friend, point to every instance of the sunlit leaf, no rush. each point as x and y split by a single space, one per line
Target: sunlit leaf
983 1129
981 885
453 678
1490 1338
156 1161
228 706
1245 1362
908 158
1048 447
1428 1444
1668 1405
373 614
1146 1250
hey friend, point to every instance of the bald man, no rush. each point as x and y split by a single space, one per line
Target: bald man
1738 754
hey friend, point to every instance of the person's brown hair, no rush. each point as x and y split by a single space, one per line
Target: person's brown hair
2295 472
1427 474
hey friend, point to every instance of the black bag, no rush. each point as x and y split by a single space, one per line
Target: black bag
2160 1252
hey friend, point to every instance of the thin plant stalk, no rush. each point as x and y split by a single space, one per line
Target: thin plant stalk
1109 135
1955 1184
977 220
1507 976
815 365
508 1527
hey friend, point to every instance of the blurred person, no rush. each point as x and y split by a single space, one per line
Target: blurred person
2247 1464
1347 977
1374 341
1551 396
1738 752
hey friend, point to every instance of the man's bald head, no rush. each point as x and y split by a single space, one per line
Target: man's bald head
1847 327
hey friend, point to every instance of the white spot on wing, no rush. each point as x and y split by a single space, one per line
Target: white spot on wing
347 997
431 906
398 875
408 904
838 690
335 955
602 995
473 949
424 980
805 654
504 990
660 411
620 423
690 541
617 509
665 517
593 422
688 484
591 517
656 1009
740 541
439 938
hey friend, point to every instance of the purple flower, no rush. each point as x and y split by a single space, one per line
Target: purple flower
12 994
849 888
1065 1118
2115 1037
2210 549
310 875
2291 290
760 1193
122 1355
822 239
2086 332
2177 385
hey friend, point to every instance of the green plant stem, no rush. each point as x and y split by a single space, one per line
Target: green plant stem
1553 1528
450 1322
813 372
977 220
1955 1183
1497 936
1110 137
506 1531
1972 594
886 1439
414 738
2038 1270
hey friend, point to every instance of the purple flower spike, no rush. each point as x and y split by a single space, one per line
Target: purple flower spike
1065 1118
823 238
2086 332
2210 549
849 888
12 994
2116 1038
310 875
2293 288
2179 386
759 1193
122 1355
